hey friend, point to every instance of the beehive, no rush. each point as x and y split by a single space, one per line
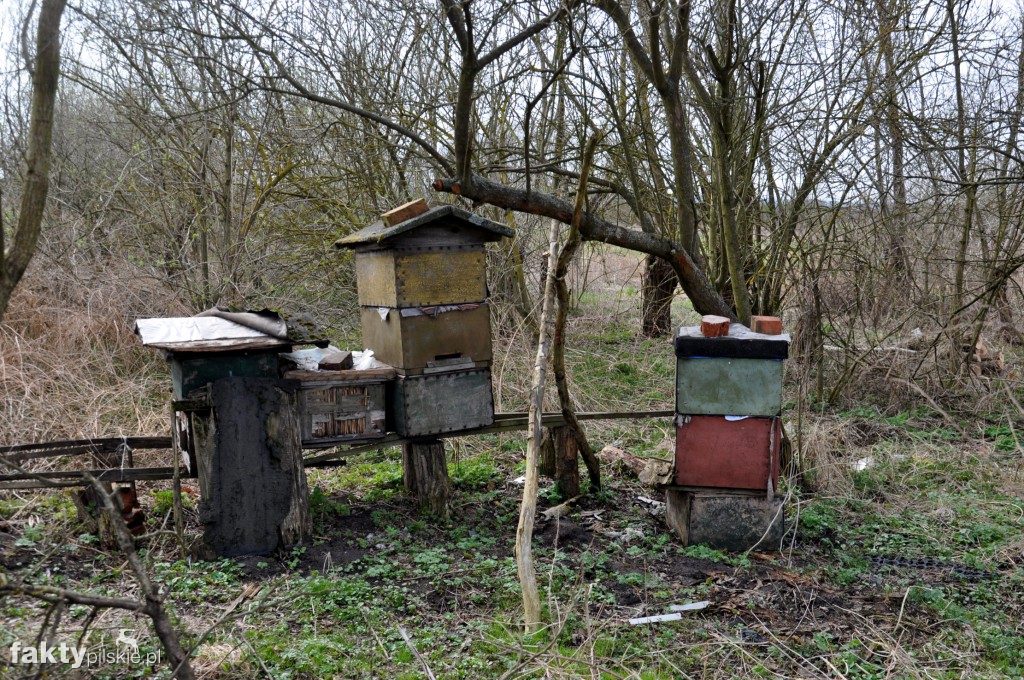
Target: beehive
728 437
422 285
423 288
341 406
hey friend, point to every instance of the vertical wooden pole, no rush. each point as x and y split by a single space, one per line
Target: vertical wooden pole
567 464
425 475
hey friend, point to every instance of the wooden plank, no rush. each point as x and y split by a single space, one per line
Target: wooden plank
106 443
404 212
369 375
503 422
229 345
77 477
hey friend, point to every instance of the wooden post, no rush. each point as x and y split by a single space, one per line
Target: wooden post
425 475
254 494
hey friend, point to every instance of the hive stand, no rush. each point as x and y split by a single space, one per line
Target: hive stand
255 498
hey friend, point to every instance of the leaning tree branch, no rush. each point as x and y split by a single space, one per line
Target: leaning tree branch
706 300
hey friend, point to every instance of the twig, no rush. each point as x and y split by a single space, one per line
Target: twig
416 653
153 602
931 402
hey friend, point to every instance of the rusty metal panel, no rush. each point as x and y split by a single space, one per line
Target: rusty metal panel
428 405
332 412
739 387
726 520
414 343
419 277
193 371
712 451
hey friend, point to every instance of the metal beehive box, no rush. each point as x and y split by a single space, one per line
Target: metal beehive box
741 387
341 406
414 340
433 404
713 451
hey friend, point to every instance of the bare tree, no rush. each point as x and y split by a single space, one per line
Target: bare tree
45 71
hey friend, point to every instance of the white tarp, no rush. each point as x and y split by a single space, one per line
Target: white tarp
192 329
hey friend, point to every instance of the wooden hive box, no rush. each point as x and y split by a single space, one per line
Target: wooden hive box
725 519
204 349
437 403
719 452
336 407
434 258
738 374
415 340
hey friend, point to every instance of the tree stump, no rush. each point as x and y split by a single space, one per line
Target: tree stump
559 459
425 475
254 494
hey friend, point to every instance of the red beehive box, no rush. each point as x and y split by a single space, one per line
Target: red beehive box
713 451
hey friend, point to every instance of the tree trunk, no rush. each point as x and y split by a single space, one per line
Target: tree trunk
46 73
254 494
425 475
659 285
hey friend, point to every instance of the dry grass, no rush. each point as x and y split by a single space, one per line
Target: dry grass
70 365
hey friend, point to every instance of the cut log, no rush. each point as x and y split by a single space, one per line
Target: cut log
255 499
425 475
566 458
714 326
653 472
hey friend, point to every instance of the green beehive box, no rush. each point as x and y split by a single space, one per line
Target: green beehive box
190 371
738 387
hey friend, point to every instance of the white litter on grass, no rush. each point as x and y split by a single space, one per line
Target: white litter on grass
863 464
655 619
690 606
675 616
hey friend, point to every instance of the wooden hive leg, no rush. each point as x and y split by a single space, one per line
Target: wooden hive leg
425 475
